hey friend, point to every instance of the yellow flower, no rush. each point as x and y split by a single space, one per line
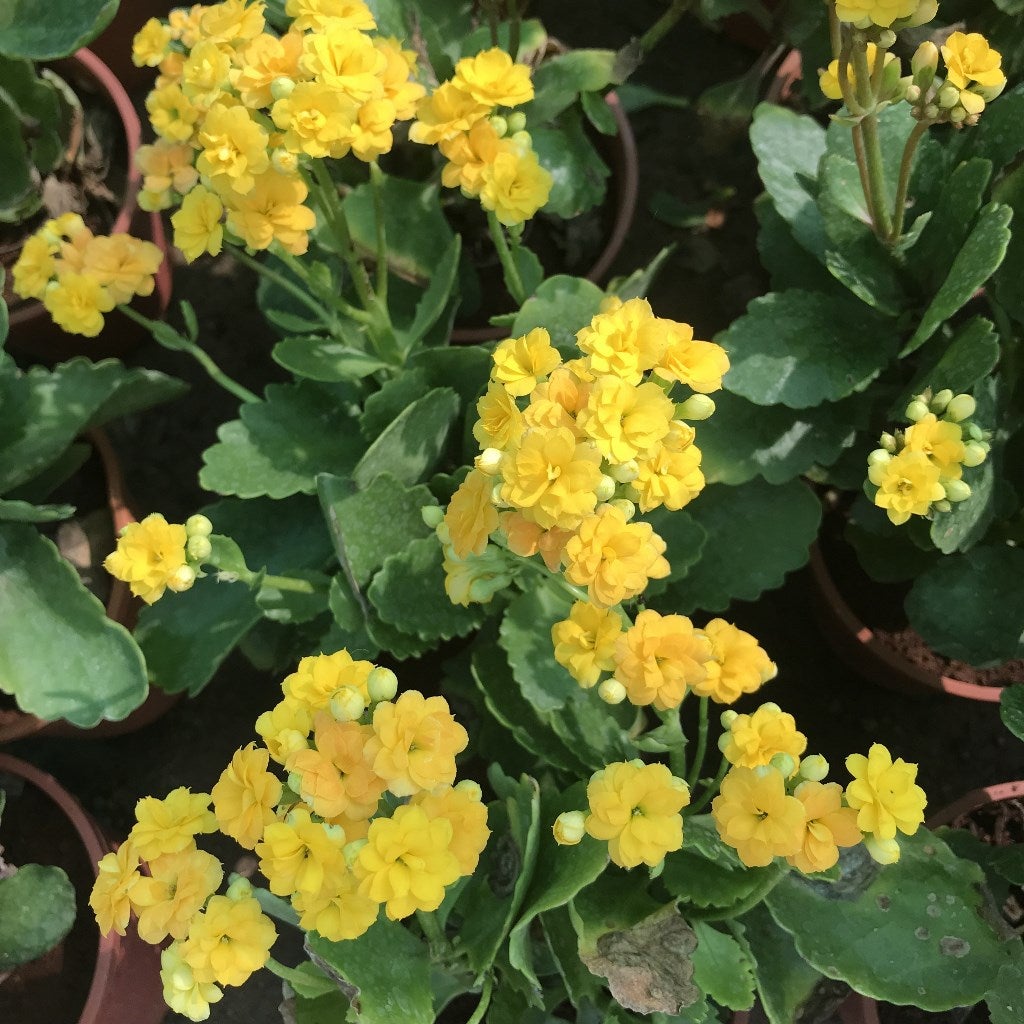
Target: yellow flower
315 14
171 113
407 862
753 740
626 420
228 941
670 475
585 642
338 912
475 578
77 303
884 794
525 538
444 114
864 13
344 59
739 665
969 58
464 808
123 265
234 149
493 79
614 559
519 363
315 120
117 876
829 825
205 75
174 891
272 210
371 135
150 557
302 855
318 677
634 807
514 186
471 516
828 80
182 993
263 60
500 423
415 742
399 88
170 825
755 816
552 478
232 21
245 796
284 728
941 441
197 225
659 657
699 365
615 342
907 485
34 268
150 44
165 165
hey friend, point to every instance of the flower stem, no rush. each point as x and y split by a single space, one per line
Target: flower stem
702 744
899 208
677 742
377 188
654 35
872 145
485 1001
514 28
299 269
513 282
180 343
281 281
706 797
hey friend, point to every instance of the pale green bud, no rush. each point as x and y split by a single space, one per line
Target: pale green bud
924 64
956 490
496 498
626 473
516 121
728 717
488 461
785 763
878 456
912 94
351 851
382 684
940 400
470 787
696 407
916 410
239 889
334 831
569 828
432 515
611 691
888 442
961 407
295 785
625 506
199 548
284 160
942 505
814 768
931 112
281 88
347 704
948 96
975 433
500 125
974 454
198 526
886 39
958 115
181 579
605 488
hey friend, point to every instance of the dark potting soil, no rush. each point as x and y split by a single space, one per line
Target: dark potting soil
52 989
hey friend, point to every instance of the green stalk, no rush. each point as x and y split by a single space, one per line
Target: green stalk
872 145
282 282
485 1001
899 209
654 35
183 344
835 33
300 270
702 745
492 20
677 742
514 29
377 188
513 282
709 793
862 168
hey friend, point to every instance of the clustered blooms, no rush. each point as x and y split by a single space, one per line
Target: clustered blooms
490 155
919 470
773 801
79 276
330 841
239 111
153 555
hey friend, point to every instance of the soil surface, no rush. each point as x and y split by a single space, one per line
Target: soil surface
699 162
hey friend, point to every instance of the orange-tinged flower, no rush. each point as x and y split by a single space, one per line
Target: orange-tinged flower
338 912
174 891
471 516
468 154
500 424
245 797
585 642
829 825
261 62
345 745
526 538
754 815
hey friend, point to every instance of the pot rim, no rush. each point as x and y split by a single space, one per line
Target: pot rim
974 800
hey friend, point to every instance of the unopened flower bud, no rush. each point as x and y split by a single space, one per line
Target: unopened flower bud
916 410
626 473
878 456
942 505
611 691
182 579
888 442
728 717
284 161
569 828
814 768
381 684
605 488
882 851
958 115
351 850
974 454
500 125
295 785
931 112
496 498
282 87
948 96
516 121
347 704
696 407
625 506
785 763
926 10
522 140
488 461
924 64
975 433
198 526
199 549
886 39
471 788
239 889
961 407
432 515
940 400
956 490
913 94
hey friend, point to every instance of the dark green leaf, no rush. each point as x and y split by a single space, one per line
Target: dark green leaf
1011 709
998 136
280 605
701 882
579 175
558 81
25 512
37 909
723 968
396 394
438 294
324 359
562 305
54 30
1006 999
1008 277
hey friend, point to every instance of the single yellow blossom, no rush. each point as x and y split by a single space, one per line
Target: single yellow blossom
514 186
493 79
233 149
615 343
754 815
626 420
315 14
739 665
182 992
77 303
117 876
521 363
245 796
884 794
170 825
299 854
123 265
471 516
941 441
150 44
445 113
271 211
970 59
345 60
500 423
907 485
865 13
35 267
173 892
197 225
463 806
753 740
585 642
829 825
150 557
228 941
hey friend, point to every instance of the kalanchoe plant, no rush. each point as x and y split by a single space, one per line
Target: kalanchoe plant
890 240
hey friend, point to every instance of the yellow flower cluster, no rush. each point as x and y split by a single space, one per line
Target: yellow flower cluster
974 74
239 109
324 840
919 470
490 156
868 13
79 276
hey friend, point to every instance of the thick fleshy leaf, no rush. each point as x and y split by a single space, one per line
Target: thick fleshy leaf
559 80
998 136
55 29
1011 709
562 305
325 359
788 263
579 175
37 909
61 656
436 297
803 348
723 967
1008 277
25 512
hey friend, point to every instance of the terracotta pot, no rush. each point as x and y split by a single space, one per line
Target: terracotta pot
32 332
856 1009
625 177
122 608
975 800
126 986
859 646
114 45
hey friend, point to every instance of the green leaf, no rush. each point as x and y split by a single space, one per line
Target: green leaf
974 265
288 606
559 80
788 147
915 932
55 30
408 593
702 882
1010 190
26 512
410 446
37 909
19 196
562 305
1011 709
803 348
789 264
278 446
886 551
742 440
970 606
325 359
388 967
464 368
639 283
61 657
396 394
757 533
306 980
599 113
350 621
438 294
38 102
998 136
560 935
723 968
328 1009
416 228
1006 999
579 176
617 900
594 732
